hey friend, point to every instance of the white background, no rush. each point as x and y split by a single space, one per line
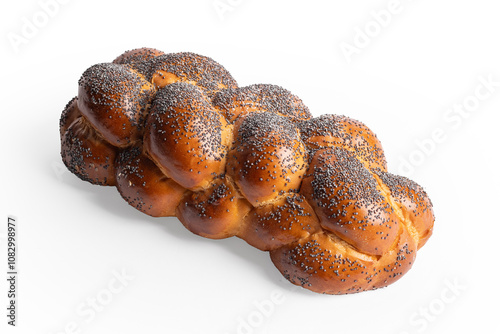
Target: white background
403 82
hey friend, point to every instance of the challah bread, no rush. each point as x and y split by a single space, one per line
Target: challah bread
139 60
114 99
177 136
348 201
201 71
267 158
341 131
186 136
215 212
84 152
410 201
279 223
232 102
68 116
142 184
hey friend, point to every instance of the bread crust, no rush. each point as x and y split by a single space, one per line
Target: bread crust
178 137
267 158
115 100
186 137
142 184
87 155
232 102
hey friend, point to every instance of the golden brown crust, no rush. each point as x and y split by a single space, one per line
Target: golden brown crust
396 262
341 131
140 60
256 98
144 186
214 213
348 202
191 68
68 116
247 162
87 155
281 222
268 158
115 101
325 265
185 137
412 200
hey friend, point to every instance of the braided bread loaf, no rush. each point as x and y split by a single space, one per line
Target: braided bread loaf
178 137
